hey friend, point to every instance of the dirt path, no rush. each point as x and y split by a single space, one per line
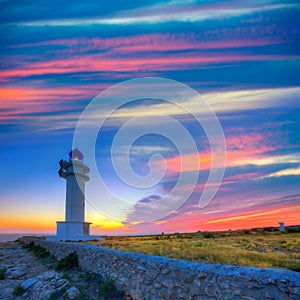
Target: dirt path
20 265
39 280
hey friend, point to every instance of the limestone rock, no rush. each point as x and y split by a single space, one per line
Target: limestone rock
28 283
43 286
72 292
16 271
168 283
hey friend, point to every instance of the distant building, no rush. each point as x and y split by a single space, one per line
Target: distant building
74 228
281 226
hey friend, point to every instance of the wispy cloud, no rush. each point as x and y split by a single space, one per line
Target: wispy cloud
160 14
285 172
269 160
160 42
241 150
220 102
101 63
20 102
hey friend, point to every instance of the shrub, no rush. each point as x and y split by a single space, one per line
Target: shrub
90 276
294 229
2 271
40 251
108 289
68 262
37 250
53 296
295 268
29 246
208 235
66 276
18 291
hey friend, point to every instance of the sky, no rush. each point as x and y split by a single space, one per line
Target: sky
240 57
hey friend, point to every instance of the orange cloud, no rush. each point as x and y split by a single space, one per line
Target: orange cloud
26 93
207 222
15 100
266 217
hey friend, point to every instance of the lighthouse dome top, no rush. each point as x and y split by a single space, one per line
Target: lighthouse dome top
76 154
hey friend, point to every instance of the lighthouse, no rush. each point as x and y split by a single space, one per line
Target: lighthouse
75 172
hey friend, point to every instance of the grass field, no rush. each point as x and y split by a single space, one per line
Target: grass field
257 248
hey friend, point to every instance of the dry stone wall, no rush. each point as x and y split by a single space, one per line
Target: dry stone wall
154 277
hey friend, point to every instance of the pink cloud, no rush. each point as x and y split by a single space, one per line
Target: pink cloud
241 140
180 45
231 180
82 54
242 177
241 147
191 162
15 100
100 63
216 39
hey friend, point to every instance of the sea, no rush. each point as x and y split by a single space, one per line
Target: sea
6 237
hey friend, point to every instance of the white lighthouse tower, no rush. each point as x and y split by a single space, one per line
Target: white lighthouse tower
74 228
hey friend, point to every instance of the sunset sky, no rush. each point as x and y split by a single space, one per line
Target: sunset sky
242 57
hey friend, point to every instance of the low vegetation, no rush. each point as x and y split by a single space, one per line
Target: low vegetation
18 291
68 262
66 276
41 253
2 271
108 289
29 246
265 248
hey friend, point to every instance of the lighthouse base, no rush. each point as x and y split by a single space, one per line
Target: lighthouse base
72 231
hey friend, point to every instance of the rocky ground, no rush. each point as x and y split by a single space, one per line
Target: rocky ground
23 275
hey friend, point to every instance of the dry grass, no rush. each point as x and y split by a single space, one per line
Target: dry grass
257 249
